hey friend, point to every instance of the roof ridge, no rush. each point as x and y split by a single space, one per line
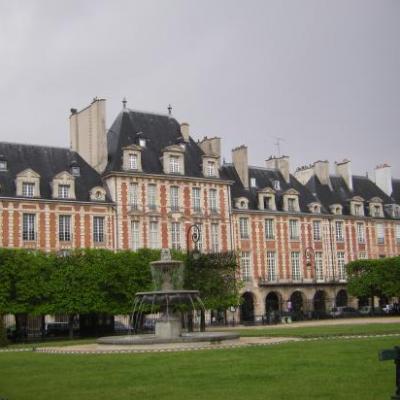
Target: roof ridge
149 113
37 145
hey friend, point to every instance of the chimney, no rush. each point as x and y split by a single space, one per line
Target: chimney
343 169
239 159
211 145
383 178
281 164
303 174
88 133
321 170
185 131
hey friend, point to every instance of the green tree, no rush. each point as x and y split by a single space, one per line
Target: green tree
365 278
390 272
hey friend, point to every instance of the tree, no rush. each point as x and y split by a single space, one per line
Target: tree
365 278
390 271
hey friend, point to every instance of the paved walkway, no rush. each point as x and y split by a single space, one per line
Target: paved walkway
323 322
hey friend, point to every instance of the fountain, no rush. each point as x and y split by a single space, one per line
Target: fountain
168 298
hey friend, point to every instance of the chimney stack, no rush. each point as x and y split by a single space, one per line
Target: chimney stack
88 135
343 169
383 178
185 131
281 164
211 145
321 170
240 162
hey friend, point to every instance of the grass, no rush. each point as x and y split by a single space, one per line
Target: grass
339 369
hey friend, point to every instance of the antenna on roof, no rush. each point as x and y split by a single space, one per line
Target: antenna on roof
169 109
278 144
124 101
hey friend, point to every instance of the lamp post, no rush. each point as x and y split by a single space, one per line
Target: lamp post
194 234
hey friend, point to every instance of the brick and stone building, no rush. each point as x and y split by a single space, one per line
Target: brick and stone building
144 182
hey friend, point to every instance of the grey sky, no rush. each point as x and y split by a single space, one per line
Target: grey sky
324 75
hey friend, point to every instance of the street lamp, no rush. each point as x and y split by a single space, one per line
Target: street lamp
195 236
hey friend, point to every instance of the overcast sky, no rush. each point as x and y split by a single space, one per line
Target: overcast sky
323 75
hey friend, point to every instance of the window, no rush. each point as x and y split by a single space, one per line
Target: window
253 182
294 229
277 185
358 210
211 168
317 230
214 238
196 199
64 228
28 227
98 229
151 196
63 191
362 255
271 266
142 142
267 203
133 161
319 266
28 189
153 228
398 234
339 231
295 258
376 211
135 235
213 200
174 192
292 205
174 165
134 195
76 171
245 265
176 235
360 233
244 228
341 265
380 233
269 228
3 165
199 243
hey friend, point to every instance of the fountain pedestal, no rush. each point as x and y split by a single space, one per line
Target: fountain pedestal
169 329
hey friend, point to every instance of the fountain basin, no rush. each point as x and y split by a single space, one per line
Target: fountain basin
183 338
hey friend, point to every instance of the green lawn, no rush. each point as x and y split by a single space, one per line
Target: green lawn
339 369
318 331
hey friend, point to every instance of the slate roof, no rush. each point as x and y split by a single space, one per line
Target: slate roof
340 194
396 190
265 178
159 131
47 162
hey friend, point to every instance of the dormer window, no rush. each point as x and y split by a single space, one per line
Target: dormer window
291 201
3 165
253 182
277 185
133 161
242 203
63 191
174 165
142 142
376 207
336 209
266 199
393 210
315 208
97 194
210 168
357 206
28 189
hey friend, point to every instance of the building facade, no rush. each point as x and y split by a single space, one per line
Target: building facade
145 182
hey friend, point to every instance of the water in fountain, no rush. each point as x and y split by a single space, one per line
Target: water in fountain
169 298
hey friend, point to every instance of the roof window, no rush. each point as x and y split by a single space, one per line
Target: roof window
277 185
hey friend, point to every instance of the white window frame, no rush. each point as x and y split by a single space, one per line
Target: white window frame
134 195
339 231
271 266
135 235
174 164
269 228
176 235
28 227
317 232
64 228
28 189
174 198
211 168
245 265
64 191
360 232
215 237
294 229
244 228
98 229
152 196
212 194
133 161
397 233
153 235
196 199
380 233
319 266
341 262
295 264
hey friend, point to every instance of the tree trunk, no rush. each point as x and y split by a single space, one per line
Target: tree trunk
372 305
202 321
71 318
21 322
